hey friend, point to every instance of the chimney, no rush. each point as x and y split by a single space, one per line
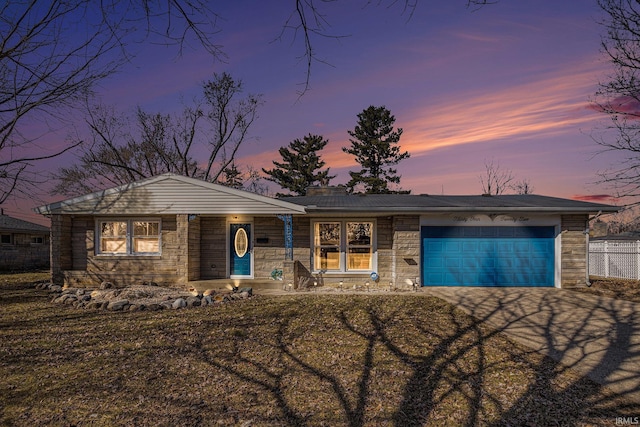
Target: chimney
327 190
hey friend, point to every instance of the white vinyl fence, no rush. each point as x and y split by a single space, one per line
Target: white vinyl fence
615 259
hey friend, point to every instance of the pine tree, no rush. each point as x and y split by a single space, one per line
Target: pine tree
300 166
232 177
374 145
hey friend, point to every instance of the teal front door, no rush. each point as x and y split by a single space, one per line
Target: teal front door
240 250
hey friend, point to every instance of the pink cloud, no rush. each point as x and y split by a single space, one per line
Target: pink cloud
627 105
595 198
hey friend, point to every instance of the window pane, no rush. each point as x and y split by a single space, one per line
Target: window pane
113 229
146 236
327 258
141 228
113 237
359 259
327 233
359 233
113 245
145 244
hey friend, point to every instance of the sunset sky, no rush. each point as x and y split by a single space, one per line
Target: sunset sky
510 82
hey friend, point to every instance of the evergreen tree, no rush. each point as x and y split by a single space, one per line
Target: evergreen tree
232 177
300 166
374 145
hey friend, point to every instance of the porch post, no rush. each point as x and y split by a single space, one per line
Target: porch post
288 236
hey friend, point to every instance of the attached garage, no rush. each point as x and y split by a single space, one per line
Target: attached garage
488 255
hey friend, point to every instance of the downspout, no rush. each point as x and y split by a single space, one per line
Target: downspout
586 233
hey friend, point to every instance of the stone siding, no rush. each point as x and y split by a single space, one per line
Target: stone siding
213 248
75 263
268 246
573 250
406 250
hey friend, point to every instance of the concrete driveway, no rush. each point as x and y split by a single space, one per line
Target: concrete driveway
598 336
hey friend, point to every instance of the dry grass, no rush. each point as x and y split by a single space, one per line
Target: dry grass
318 360
613 288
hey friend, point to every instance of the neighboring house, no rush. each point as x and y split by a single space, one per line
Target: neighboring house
23 245
175 230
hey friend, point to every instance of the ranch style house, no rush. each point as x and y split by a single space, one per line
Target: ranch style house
178 231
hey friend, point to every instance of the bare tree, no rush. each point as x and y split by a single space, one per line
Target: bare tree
121 152
495 180
309 22
619 97
231 117
53 53
522 186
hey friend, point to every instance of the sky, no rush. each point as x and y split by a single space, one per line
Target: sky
508 83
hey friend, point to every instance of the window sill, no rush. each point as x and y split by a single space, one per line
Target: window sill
129 256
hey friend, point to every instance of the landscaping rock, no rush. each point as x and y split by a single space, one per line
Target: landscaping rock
179 303
207 300
117 305
106 285
94 305
193 301
209 292
55 288
154 307
112 294
247 290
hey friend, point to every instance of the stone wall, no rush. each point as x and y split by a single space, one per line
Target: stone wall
75 263
574 250
405 263
213 248
268 249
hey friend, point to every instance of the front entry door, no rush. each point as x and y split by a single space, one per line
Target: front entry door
240 250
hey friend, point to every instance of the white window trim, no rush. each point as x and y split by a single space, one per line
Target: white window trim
344 246
129 237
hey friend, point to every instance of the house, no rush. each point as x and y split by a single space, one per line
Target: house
176 231
23 245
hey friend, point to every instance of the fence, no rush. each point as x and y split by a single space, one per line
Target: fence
615 259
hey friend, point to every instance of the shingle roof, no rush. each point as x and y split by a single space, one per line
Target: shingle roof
15 224
441 203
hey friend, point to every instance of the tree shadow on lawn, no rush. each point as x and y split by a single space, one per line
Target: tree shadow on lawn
305 360
369 367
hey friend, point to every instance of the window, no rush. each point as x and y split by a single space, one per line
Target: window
343 246
5 239
37 240
122 237
327 246
359 245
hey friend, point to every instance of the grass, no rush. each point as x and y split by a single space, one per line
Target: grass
317 360
624 289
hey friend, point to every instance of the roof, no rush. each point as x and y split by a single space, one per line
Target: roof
17 225
171 194
409 203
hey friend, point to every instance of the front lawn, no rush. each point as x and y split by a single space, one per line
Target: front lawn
624 289
325 360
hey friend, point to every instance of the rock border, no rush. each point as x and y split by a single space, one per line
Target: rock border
134 299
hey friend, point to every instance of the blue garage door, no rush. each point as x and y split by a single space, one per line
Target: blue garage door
488 256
